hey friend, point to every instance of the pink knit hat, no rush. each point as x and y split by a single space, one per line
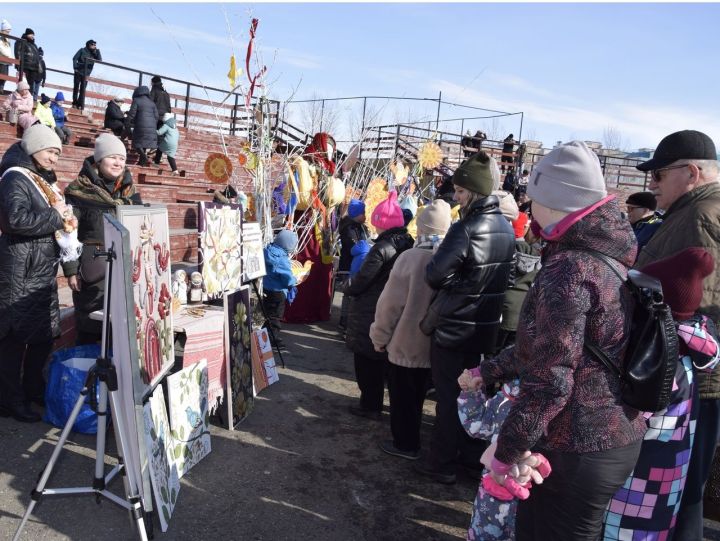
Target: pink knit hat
388 213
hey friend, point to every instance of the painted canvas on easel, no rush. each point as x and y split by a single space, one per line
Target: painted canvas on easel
239 396
220 247
150 254
126 355
163 470
189 416
263 362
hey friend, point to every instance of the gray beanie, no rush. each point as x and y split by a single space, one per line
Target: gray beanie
40 137
287 240
434 219
569 178
108 145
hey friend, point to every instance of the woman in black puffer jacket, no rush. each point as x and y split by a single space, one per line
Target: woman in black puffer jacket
32 209
103 184
471 271
143 117
364 290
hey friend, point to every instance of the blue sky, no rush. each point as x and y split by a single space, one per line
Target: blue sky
573 69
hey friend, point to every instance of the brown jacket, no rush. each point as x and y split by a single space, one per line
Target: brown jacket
693 220
402 305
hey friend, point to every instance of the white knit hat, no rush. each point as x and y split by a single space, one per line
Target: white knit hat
167 116
569 178
434 219
108 145
508 206
40 137
5 25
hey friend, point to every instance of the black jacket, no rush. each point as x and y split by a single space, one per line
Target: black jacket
365 287
471 269
143 117
84 60
28 55
351 232
161 99
29 255
114 117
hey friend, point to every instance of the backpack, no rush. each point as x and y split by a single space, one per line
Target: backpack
648 367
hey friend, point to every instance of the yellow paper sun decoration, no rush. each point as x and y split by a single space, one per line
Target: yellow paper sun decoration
430 155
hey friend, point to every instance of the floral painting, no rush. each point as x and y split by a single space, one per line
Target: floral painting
238 327
220 247
163 470
150 254
189 416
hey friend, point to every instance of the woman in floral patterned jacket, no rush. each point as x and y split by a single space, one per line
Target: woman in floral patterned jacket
569 406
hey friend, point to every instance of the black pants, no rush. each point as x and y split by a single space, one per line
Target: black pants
4 70
407 388
505 339
171 161
370 376
143 156
689 524
274 304
571 502
21 367
450 443
33 78
79 85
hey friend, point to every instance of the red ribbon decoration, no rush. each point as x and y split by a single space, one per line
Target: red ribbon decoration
253 80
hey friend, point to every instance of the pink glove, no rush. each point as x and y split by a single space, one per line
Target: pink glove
510 490
500 476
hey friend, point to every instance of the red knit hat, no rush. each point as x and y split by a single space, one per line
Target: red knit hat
520 225
681 276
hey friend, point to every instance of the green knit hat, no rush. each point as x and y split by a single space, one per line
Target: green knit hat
474 174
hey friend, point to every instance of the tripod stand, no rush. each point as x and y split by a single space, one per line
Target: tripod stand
103 375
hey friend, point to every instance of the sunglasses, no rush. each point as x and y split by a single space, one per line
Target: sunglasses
655 173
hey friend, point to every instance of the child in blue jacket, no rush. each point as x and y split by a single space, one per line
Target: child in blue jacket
58 113
278 280
358 253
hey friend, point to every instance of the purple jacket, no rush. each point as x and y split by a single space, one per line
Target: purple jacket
569 402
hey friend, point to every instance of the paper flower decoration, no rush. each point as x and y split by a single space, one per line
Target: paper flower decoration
335 191
430 155
248 159
400 172
218 168
300 271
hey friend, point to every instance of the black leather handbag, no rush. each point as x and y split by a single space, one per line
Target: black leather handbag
648 367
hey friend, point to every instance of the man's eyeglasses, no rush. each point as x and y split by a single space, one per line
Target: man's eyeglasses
655 173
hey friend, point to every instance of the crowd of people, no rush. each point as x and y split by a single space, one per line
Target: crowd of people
149 123
497 309
497 302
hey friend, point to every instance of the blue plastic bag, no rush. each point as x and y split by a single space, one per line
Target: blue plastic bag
66 378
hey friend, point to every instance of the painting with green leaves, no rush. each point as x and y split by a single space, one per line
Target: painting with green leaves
163 468
189 416
238 365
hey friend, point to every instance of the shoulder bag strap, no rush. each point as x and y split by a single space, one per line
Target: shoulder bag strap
589 344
